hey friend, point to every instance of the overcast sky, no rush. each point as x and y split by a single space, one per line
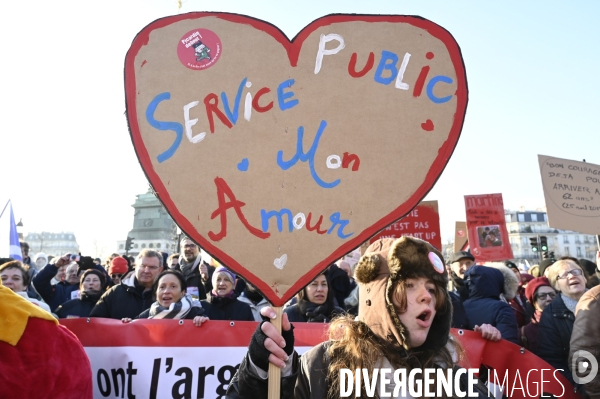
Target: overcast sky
68 163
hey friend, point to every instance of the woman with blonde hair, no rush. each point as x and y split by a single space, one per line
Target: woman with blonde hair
556 324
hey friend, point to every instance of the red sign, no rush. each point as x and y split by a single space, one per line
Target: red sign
486 227
422 222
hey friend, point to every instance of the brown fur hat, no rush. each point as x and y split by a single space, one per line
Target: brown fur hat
388 261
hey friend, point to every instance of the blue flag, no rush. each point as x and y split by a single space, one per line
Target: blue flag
15 247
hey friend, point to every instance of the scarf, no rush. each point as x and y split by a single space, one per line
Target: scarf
188 268
232 294
570 303
316 313
177 310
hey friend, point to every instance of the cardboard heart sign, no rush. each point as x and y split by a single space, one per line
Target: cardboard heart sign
280 157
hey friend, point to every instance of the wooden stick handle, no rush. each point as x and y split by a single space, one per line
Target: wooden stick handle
274 371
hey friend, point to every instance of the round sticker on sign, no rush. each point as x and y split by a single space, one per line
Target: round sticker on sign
199 49
437 263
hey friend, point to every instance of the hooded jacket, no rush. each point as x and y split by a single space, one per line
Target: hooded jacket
489 289
586 334
40 255
384 264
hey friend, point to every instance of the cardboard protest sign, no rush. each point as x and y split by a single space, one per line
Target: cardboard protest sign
461 239
279 157
572 194
486 227
422 222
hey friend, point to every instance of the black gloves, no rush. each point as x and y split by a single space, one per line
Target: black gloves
259 354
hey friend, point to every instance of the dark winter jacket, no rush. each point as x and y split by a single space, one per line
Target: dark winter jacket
518 304
227 309
79 307
308 379
529 333
459 314
484 306
460 287
53 295
33 271
340 282
554 335
125 300
208 287
192 277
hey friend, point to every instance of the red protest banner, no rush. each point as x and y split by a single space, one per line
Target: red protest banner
486 227
157 358
422 222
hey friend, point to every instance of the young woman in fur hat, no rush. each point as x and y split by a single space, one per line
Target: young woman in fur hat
404 323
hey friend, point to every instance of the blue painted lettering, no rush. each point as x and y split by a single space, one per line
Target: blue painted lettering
174 126
265 216
283 96
388 62
233 116
432 83
335 220
309 156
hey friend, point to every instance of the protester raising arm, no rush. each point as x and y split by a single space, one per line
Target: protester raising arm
54 295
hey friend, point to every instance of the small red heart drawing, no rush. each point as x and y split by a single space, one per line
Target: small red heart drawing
327 121
427 125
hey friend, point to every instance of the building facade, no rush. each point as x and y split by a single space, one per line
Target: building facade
153 227
523 225
54 244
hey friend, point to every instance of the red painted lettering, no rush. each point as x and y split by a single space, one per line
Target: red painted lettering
315 227
257 96
351 158
211 102
421 81
352 65
222 191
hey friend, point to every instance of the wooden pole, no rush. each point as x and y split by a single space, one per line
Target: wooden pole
274 371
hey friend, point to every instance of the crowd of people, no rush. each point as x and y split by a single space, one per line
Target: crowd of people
550 310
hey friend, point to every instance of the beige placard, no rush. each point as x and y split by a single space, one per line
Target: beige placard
278 158
461 236
572 194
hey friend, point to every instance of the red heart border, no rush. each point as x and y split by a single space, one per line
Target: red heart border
293 50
